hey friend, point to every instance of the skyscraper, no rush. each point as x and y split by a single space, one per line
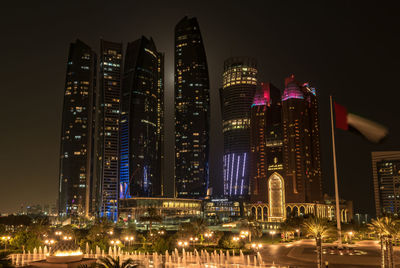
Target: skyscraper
192 111
236 95
105 191
301 142
76 152
266 157
142 121
386 177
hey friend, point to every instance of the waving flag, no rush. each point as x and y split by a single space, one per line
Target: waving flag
372 131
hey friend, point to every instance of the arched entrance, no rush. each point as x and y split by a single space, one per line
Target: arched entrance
276 197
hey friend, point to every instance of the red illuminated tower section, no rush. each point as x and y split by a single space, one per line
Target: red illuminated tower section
301 145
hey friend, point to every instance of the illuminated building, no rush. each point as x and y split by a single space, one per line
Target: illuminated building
217 210
77 132
236 95
285 155
266 159
105 191
173 211
141 124
386 176
192 111
301 142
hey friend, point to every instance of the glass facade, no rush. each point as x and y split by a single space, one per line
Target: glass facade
77 132
192 111
301 142
266 156
142 106
236 95
107 125
386 169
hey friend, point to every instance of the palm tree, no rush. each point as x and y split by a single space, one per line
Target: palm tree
152 216
319 229
110 262
386 228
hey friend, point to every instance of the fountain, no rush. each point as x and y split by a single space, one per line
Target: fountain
63 254
67 254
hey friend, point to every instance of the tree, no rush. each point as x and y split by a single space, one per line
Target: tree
286 229
99 233
386 228
319 229
110 262
28 238
195 228
253 226
151 216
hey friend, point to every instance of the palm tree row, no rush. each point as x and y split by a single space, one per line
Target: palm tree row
388 230
318 228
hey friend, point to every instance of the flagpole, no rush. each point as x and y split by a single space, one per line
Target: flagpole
339 229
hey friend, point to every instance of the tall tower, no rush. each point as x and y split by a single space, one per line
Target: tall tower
192 111
236 95
266 140
301 142
141 120
76 151
107 129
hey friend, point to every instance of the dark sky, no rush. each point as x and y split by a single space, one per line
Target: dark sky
346 48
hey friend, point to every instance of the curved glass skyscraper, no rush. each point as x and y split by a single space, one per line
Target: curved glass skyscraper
192 111
78 118
141 125
236 94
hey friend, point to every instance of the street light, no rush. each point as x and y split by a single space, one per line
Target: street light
182 244
244 234
272 234
298 233
115 242
193 240
256 246
49 242
129 239
5 239
350 235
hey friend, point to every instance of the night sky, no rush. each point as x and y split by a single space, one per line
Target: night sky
346 48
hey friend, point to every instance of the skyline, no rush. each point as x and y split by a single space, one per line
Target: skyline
304 71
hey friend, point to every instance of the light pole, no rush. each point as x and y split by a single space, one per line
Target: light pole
192 239
129 239
182 244
244 234
298 233
256 246
5 239
67 237
208 237
350 236
272 234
